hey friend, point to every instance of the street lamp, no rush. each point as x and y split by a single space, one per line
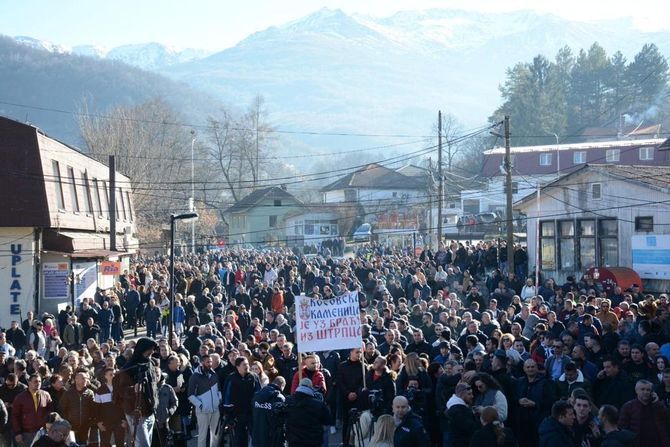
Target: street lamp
191 205
174 218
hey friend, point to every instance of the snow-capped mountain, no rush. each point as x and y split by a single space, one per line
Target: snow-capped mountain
148 56
363 73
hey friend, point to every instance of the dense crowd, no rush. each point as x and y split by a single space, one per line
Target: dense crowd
456 351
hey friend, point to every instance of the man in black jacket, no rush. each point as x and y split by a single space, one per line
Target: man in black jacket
350 384
306 414
409 430
462 422
266 426
380 388
241 386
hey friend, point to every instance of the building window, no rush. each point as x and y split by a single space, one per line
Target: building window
309 227
333 230
73 190
60 198
608 242
98 197
587 244
277 202
515 187
350 195
646 153
273 221
545 159
579 157
612 155
548 245
644 223
130 208
596 191
88 204
566 247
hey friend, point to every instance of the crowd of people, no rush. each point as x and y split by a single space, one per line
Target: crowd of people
456 351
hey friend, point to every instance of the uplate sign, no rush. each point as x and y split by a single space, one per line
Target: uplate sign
16 274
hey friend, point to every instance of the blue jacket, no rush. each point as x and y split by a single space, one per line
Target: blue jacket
105 317
179 314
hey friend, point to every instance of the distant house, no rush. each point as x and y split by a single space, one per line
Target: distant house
603 215
259 217
542 164
395 202
374 183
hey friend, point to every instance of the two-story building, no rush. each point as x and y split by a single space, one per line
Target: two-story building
55 241
602 215
541 164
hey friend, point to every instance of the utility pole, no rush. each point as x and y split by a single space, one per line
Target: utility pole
430 203
112 203
257 147
440 184
509 218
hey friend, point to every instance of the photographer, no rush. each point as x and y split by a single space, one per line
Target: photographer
380 389
416 396
267 417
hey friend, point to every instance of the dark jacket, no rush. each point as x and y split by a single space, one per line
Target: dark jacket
486 437
78 408
349 380
137 369
618 438
239 394
648 421
614 391
462 423
554 434
106 412
25 418
410 433
265 422
306 414
384 386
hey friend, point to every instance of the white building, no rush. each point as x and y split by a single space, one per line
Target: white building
603 216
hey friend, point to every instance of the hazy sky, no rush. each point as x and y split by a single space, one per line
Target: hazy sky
218 24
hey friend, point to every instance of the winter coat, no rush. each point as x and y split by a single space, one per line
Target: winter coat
167 403
265 423
73 335
486 437
619 438
494 398
239 394
306 414
25 419
106 317
462 422
384 385
565 389
410 432
78 407
554 434
318 380
106 412
648 421
203 391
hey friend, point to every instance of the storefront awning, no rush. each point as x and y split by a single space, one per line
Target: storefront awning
82 244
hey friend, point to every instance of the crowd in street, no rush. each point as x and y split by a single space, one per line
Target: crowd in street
456 351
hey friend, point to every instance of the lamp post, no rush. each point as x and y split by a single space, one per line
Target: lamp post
173 219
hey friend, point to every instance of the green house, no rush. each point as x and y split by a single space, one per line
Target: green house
259 217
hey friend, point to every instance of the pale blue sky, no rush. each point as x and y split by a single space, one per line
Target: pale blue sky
218 24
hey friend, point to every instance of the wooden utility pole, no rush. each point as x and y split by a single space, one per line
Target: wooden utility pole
440 184
509 218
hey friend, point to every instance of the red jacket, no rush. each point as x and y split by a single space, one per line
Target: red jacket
318 381
278 302
25 419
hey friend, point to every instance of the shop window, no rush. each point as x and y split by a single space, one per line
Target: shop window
567 244
587 244
548 245
608 242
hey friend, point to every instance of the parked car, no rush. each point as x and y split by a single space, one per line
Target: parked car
363 233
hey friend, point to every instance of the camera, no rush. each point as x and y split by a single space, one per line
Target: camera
376 402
